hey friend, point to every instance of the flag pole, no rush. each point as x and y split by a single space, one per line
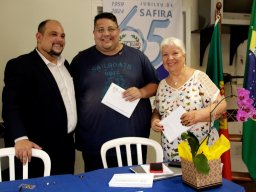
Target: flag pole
218 16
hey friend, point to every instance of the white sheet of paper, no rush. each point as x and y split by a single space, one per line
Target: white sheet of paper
172 124
114 99
143 180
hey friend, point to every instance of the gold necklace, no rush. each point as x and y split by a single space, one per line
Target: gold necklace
175 82
182 72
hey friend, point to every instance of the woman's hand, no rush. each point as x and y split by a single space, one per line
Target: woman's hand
189 118
203 115
156 126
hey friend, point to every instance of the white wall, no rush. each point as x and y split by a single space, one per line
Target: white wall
19 20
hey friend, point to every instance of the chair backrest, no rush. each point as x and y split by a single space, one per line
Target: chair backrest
10 153
127 142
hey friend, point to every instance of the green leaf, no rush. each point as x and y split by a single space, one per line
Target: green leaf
193 143
184 136
201 164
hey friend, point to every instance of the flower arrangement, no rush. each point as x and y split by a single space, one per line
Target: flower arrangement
245 106
200 162
199 159
200 153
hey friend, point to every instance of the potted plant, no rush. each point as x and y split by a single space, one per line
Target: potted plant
200 163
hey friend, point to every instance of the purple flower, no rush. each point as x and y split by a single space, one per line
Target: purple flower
242 115
242 92
245 103
253 114
245 107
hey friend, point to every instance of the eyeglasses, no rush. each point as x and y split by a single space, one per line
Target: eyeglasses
102 30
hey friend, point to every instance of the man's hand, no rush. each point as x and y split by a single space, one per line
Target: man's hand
132 94
23 150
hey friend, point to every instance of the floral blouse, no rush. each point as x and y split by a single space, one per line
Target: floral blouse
197 93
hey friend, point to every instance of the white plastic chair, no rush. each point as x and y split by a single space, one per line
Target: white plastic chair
128 141
10 152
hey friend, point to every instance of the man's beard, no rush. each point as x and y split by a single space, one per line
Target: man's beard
54 53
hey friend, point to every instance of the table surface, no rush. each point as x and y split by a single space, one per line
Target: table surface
58 183
97 181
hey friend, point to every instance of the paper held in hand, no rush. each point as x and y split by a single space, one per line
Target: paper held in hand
114 99
142 180
172 124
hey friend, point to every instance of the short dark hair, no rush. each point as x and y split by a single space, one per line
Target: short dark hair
41 26
105 15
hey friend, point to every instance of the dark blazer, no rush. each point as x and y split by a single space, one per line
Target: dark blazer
33 106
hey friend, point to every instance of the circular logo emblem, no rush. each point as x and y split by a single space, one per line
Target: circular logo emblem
133 38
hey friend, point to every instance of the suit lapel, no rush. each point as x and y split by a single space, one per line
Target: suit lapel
46 73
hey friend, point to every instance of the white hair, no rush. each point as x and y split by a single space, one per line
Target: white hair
173 42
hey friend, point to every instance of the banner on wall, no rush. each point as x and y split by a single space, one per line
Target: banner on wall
145 23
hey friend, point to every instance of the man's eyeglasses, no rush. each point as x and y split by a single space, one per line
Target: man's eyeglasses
102 30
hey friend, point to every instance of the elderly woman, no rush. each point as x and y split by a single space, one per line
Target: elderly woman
187 87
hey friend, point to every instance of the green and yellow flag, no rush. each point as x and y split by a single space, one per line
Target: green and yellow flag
249 127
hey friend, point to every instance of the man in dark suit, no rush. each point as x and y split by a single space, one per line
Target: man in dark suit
39 109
